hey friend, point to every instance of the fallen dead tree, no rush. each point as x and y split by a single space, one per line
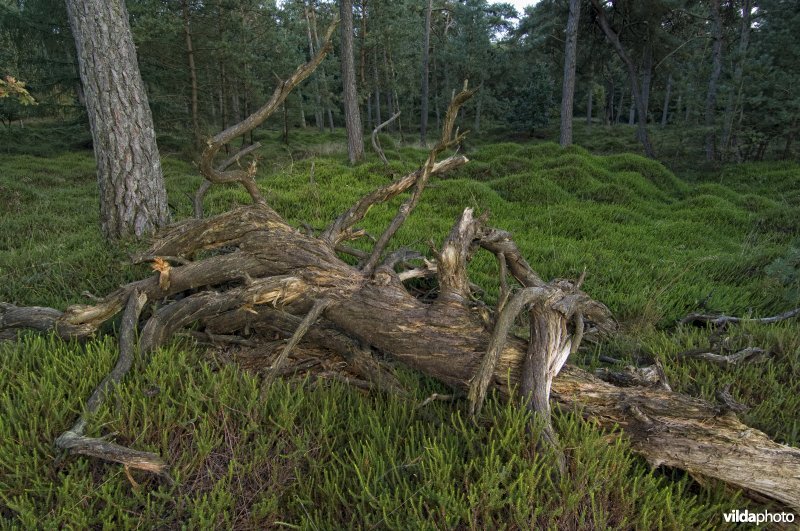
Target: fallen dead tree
245 276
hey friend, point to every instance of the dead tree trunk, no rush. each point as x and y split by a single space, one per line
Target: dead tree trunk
265 277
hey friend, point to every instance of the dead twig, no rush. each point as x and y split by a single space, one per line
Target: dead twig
376 143
73 439
722 320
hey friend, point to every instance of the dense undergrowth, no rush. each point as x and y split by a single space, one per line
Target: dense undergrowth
320 455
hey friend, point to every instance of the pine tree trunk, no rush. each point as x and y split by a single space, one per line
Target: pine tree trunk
632 112
665 111
352 116
318 110
647 78
426 44
568 87
735 99
608 114
716 70
133 200
187 32
302 111
636 91
589 102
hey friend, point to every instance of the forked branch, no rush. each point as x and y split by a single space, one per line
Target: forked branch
246 177
447 141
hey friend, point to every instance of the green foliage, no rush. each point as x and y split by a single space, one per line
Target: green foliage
321 455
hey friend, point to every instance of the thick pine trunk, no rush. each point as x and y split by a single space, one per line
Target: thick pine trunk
568 86
133 200
352 116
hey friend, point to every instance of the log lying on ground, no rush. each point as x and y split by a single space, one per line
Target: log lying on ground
446 339
249 268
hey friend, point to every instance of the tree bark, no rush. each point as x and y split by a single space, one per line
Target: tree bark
426 45
665 110
133 200
589 102
735 99
187 32
319 117
716 70
352 115
568 86
612 36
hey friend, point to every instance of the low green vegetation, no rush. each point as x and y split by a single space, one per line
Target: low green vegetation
316 455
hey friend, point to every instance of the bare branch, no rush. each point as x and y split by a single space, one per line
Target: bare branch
376 144
722 320
334 233
246 177
305 324
206 185
447 140
744 355
73 439
483 377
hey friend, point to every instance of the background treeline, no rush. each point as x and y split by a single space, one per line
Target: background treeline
728 71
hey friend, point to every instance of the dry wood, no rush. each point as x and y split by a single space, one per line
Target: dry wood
246 177
263 275
376 143
723 320
749 354
73 439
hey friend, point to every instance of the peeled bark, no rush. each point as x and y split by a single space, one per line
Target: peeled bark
133 200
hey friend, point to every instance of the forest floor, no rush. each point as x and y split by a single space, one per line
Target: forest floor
318 454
